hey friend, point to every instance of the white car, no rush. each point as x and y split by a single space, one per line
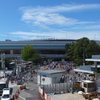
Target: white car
5 97
6 94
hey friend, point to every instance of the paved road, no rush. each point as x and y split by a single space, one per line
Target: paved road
31 93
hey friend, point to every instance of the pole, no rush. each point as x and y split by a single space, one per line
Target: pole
83 59
95 63
3 62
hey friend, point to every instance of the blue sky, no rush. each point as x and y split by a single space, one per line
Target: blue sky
49 19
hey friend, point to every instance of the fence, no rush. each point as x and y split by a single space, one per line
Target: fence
52 89
58 88
28 70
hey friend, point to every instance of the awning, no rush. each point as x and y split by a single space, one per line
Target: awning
91 59
85 71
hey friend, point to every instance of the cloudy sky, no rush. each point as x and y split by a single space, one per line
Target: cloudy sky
49 19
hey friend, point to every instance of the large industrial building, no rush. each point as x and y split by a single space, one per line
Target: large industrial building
53 48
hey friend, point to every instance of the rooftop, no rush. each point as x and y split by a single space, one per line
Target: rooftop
51 71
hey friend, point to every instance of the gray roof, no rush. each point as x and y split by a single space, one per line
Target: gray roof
51 71
84 71
91 59
87 69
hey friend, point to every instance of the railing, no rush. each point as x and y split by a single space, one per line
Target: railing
58 88
53 89
26 71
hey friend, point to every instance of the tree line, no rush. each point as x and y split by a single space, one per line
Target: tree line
80 50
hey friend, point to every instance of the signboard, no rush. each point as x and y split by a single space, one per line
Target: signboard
44 76
43 79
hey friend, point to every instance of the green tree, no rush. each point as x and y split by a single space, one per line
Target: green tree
36 58
28 53
7 61
83 48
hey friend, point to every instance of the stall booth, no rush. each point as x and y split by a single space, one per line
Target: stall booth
49 76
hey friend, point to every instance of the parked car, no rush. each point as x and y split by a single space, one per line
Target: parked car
6 94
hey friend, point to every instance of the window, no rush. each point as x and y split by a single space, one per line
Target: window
6 96
2 86
91 85
85 85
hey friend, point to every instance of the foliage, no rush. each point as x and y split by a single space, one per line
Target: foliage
7 61
36 58
83 48
29 54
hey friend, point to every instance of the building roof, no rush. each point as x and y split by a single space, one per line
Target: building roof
90 66
51 71
84 71
88 81
87 69
91 59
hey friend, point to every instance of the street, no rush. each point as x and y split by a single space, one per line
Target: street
30 93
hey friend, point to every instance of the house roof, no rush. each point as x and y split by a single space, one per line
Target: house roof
91 59
85 71
51 71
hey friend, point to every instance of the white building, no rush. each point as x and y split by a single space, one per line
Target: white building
90 69
50 76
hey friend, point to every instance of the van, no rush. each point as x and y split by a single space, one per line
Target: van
5 94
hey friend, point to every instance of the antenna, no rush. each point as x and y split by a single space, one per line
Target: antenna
37 35
17 38
7 36
94 36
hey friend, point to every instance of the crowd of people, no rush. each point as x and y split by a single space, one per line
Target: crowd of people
76 77
68 66
47 65
58 65
21 78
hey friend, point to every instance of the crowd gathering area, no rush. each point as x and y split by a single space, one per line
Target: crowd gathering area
68 66
58 65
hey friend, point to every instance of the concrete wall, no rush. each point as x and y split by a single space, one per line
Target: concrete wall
55 78
49 79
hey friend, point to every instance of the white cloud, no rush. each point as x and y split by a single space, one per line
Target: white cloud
52 17
43 16
93 27
58 35
62 8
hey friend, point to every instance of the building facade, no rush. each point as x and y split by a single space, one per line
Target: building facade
50 48
53 48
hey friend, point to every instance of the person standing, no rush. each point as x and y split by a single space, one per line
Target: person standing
62 79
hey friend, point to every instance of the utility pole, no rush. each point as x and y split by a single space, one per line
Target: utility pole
83 59
3 62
